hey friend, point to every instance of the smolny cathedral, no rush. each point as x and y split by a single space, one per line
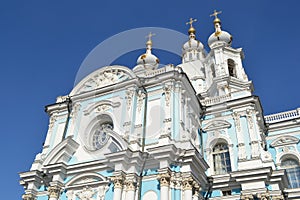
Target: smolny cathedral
187 132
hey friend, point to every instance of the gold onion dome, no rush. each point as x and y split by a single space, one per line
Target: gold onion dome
219 36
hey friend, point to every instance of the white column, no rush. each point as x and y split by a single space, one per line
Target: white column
130 190
164 180
118 187
188 189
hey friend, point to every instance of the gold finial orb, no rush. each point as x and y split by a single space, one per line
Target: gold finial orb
215 14
191 29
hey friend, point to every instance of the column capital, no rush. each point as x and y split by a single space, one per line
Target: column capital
28 197
130 185
264 196
118 181
54 191
188 183
164 179
247 197
277 197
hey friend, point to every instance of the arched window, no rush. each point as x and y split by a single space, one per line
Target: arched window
292 168
231 67
221 159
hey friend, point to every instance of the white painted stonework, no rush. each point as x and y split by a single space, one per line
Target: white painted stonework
192 131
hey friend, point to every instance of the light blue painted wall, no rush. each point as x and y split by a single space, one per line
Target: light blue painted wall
151 185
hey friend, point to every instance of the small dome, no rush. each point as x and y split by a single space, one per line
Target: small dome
192 44
147 59
221 36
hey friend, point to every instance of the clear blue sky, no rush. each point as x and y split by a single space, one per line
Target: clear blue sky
42 44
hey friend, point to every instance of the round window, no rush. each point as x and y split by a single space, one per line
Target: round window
101 136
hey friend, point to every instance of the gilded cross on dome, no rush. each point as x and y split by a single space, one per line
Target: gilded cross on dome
215 14
150 35
191 22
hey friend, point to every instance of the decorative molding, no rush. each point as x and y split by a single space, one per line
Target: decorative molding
75 110
101 106
105 76
140 100
129 97
167 92
84 179
62 152
285 140
216 125
236 117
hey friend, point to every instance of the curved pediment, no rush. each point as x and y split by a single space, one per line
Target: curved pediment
216 125
86 179
103 77
285 140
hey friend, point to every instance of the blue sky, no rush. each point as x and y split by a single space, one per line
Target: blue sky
43 43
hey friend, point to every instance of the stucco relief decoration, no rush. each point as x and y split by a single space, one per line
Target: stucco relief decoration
250 118
129 98
236 117
104 78
86 193
216 125
285 140
167 92
141 97
75 110
102 108
52 121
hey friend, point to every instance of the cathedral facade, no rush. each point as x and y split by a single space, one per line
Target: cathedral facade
187 132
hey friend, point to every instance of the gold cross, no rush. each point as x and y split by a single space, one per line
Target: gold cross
191 22
150 35
215 14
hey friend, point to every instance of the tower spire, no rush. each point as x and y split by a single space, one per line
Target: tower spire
191 30
149 41
217 21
